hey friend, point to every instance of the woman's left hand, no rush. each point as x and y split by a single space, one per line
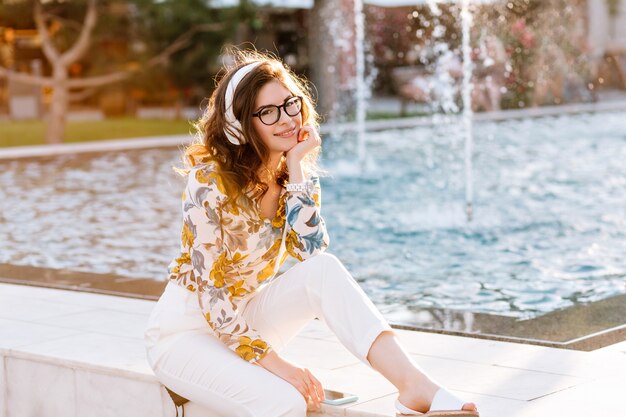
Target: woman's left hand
308 139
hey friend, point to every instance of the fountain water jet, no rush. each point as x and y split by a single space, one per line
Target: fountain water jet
359 45
466 89
466 20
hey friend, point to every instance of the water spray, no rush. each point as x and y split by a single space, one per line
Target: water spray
466 21
359 40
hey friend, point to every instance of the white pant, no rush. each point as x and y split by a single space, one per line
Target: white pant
188 358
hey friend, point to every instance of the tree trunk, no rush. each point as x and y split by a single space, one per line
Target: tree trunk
178 105
61 85
322 56
332 57
55 129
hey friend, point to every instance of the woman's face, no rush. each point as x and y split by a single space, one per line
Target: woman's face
282 135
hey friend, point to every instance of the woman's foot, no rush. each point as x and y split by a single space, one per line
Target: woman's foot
418 398
421 399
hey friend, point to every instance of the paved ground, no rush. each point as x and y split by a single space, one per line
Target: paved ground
505 379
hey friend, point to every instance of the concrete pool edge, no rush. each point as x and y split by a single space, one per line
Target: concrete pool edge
586 343
545 330
94 355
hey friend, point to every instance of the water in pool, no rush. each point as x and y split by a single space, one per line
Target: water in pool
549 229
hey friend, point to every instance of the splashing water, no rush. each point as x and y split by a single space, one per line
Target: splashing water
549 233
359 44
466 19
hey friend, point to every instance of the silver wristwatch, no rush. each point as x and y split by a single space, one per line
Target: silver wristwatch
306 186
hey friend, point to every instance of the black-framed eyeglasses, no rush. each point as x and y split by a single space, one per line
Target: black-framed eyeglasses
270 114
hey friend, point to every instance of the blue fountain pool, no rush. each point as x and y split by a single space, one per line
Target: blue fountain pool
549 228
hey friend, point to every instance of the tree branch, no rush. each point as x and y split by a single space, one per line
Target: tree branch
24 78
82 95
100 80
46 43
182 41
68 22
80 47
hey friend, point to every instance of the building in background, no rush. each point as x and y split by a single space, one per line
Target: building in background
607 40
20 49
316 39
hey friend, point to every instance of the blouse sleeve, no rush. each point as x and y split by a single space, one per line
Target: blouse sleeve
214 269
307 234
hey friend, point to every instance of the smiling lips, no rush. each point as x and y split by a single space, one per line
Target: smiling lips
287 133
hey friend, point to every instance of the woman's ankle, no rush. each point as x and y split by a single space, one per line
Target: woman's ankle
418 395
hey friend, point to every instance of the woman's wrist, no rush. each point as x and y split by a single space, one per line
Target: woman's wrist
294 167
273 363
268 361
292 162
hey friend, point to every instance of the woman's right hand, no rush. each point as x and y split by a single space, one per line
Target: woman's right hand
308 139
301 378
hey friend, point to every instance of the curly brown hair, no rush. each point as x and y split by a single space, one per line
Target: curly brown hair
239 165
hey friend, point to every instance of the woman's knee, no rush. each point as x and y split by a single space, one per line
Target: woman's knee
329 272
326 260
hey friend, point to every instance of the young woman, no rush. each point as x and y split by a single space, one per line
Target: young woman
251 200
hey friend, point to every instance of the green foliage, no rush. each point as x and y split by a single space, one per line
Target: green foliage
543 55
130 32
161 23
613 7
65 26
408 36
18 15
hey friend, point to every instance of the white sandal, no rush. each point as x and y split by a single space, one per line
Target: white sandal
445 404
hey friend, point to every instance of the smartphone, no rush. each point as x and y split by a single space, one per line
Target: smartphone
338 398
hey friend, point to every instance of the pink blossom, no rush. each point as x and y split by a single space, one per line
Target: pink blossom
527 39
519 26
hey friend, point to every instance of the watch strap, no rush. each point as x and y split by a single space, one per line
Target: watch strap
299 186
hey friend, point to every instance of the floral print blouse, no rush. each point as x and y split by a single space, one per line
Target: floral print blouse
227 252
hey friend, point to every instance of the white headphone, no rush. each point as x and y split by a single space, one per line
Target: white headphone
233 126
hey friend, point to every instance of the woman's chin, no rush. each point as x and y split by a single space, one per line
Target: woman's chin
288 143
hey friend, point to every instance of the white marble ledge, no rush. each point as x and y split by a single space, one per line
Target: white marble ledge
490 406
101 395
27 293
60 389
104 301
38 389
16 333
516 384
356 379
29 309
109 322
99 337
138 373
597 398
46 390
595 364
3 383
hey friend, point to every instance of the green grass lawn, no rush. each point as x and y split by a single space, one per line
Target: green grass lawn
32 132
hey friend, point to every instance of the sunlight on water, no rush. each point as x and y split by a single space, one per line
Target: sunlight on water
549 229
